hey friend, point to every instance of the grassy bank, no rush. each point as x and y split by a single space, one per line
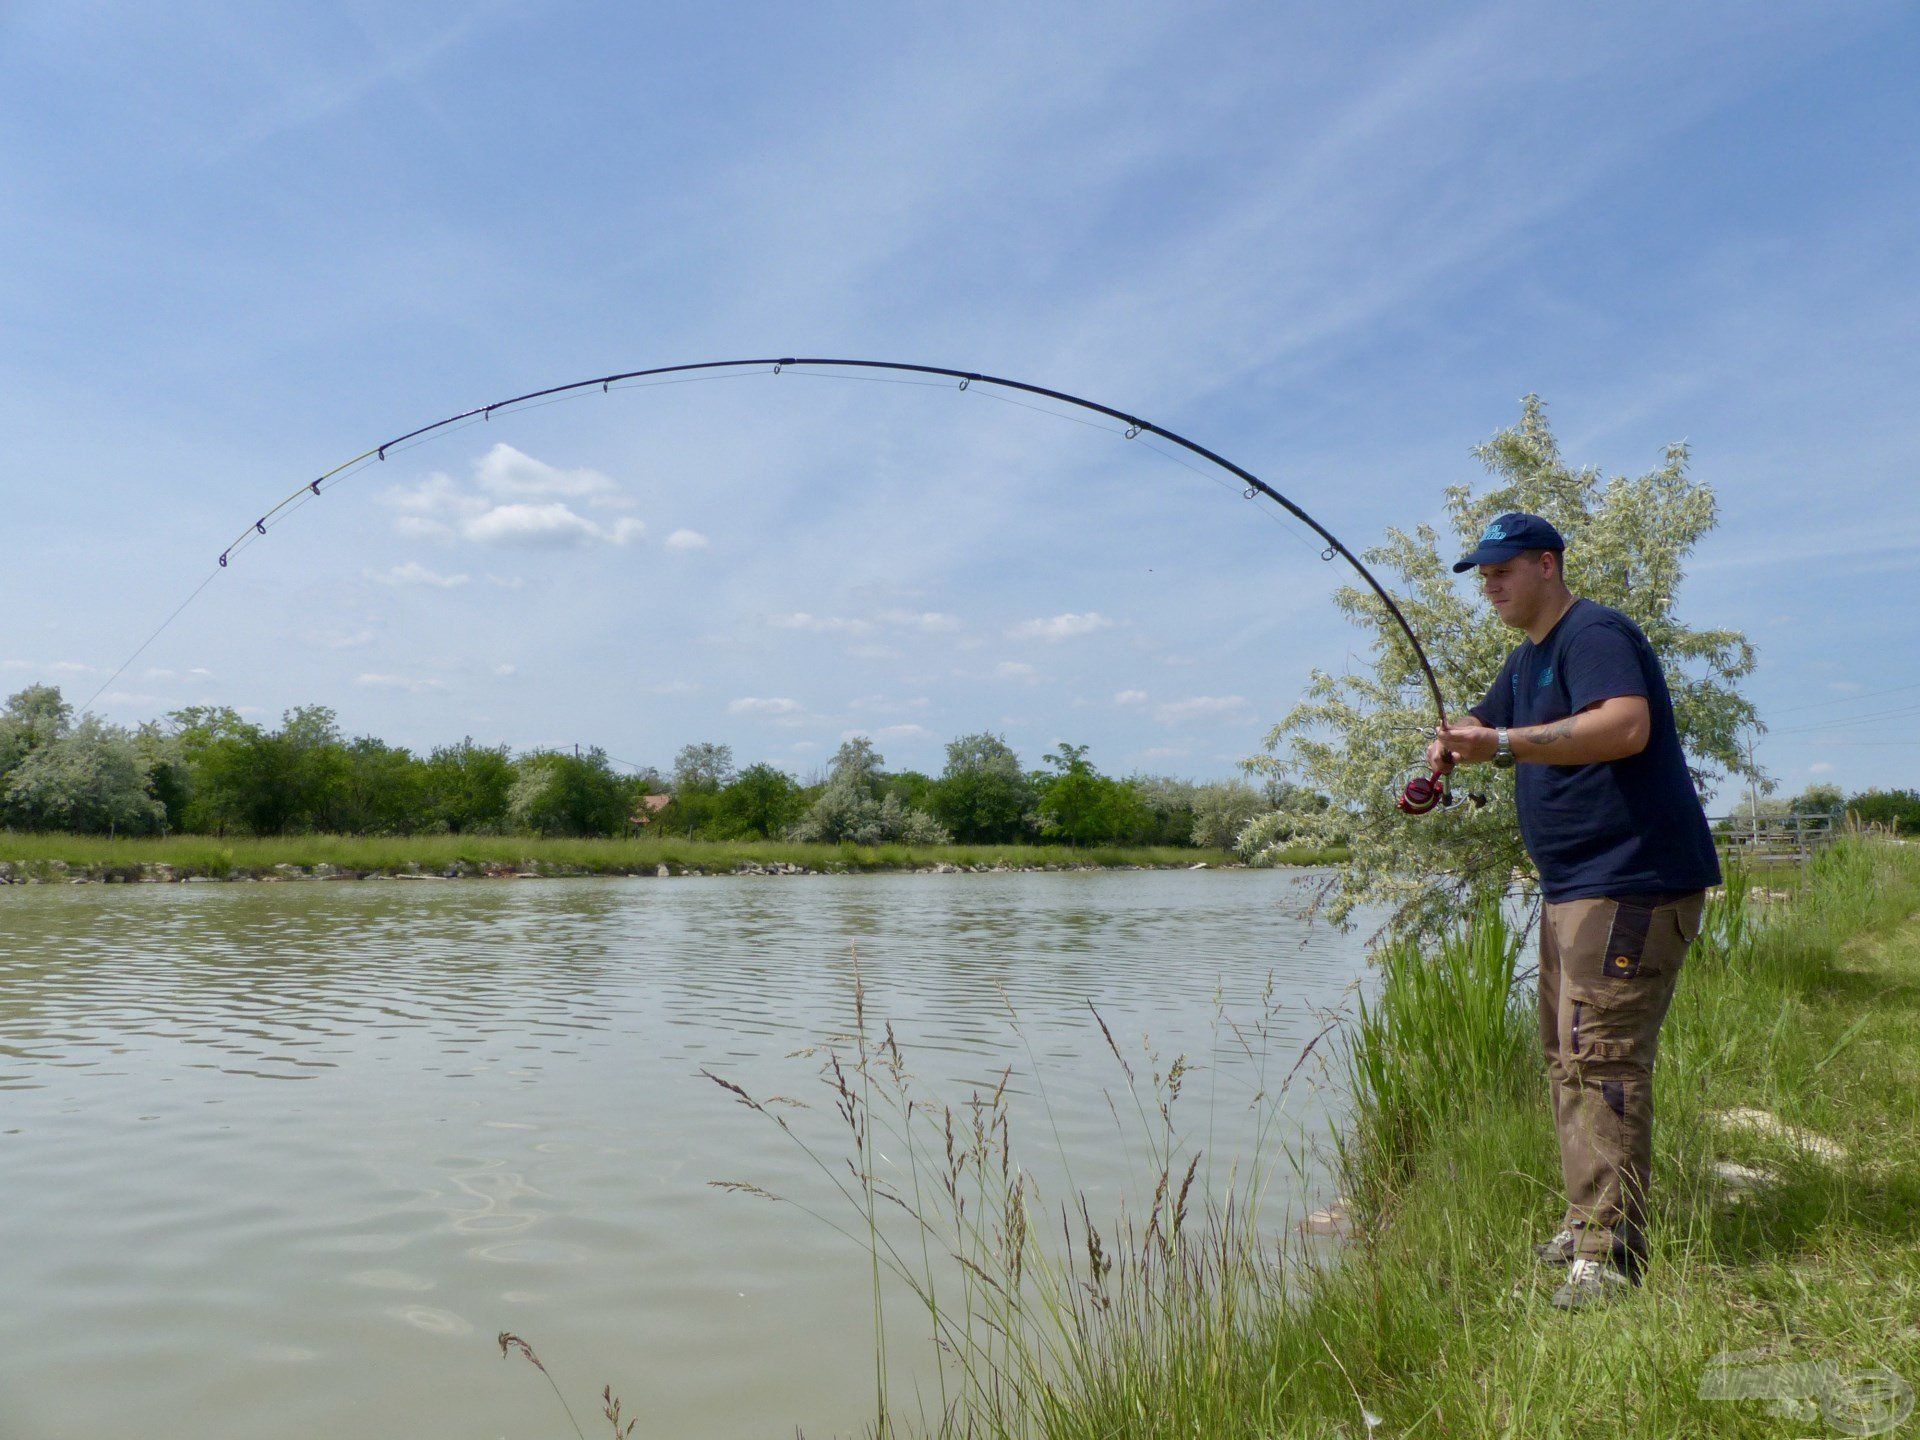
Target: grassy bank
54 857
1786 1220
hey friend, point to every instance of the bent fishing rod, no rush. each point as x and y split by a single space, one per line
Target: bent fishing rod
1421 794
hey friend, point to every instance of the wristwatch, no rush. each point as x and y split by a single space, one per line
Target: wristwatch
1503 756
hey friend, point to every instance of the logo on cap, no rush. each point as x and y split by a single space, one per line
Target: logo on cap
1495 531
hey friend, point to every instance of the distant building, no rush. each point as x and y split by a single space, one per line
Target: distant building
650 806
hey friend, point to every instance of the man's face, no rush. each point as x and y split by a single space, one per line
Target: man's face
1517 588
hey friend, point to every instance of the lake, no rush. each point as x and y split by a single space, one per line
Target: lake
280 1160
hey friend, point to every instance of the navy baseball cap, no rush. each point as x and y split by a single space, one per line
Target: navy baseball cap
1509 536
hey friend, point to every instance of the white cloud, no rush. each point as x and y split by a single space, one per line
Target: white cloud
754 705
687 540
69 667
819 624
414 573
505 670
1821 767
513 499
931 622
1014 670
511 475
1200 707
903 732
1130 697
551 524
412 684
872 652
1060 627
1162 752
507 582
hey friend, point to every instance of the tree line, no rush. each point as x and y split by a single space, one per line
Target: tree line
209 770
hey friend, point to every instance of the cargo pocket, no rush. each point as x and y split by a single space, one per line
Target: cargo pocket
1688 915
1616 977
1625 954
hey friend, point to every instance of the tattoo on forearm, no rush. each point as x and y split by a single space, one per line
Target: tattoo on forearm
1551 734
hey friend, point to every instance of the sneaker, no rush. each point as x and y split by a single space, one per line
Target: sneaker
1590 1283
1557 1251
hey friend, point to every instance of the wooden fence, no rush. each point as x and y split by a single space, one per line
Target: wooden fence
1775 837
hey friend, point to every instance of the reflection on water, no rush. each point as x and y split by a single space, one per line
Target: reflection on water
279 1160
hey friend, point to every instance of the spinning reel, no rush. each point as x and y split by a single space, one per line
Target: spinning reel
1425 793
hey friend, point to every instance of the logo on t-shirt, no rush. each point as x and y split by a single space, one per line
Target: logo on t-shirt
1546 676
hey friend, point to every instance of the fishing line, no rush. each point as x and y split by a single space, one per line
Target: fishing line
212 575
1421 794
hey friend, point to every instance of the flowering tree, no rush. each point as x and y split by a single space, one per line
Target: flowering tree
1357 737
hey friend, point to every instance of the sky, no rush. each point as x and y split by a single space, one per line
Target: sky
1335 244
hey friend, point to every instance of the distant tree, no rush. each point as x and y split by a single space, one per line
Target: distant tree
465 788
1818 800
227 769
556 793
90 779
761 802
702 767
851 806
859 765
1899 808
34 717
896 822
1221 811
169 775
1168 806
378 791
1071 802
982 796
310 757
913 788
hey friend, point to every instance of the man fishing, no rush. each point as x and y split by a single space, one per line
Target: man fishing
1610 816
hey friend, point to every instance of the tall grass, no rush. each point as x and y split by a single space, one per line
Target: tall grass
1446 1033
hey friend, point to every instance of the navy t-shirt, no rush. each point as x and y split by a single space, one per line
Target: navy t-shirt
1614 827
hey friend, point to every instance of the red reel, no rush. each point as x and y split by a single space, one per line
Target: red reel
1424 794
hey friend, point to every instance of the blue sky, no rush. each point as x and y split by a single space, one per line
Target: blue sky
1334 243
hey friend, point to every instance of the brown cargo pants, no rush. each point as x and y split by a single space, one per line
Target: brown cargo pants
1607 973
